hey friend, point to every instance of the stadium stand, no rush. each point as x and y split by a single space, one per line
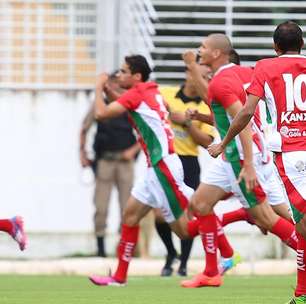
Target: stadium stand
182 24
48 44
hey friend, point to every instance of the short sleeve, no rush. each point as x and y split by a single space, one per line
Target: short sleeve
208 129
257 84
130 100
224 91
168 94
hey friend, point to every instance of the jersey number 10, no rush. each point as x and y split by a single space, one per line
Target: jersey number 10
294 91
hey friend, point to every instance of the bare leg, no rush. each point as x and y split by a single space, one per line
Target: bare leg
265 217
282 211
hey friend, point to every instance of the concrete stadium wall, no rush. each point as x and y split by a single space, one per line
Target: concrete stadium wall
41 179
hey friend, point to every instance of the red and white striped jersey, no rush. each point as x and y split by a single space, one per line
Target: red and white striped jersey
281 82
149 117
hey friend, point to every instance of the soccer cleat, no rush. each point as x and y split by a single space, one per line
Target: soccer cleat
18 233
167 269
297 300
166 272
182 271
105 281
229 263
202 280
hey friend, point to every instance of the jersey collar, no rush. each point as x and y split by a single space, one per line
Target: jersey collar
292 56
180 94
226 66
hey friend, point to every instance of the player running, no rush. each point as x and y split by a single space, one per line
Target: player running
281 83
163 185
243 158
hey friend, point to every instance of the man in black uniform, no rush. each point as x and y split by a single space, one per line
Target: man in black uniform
115 149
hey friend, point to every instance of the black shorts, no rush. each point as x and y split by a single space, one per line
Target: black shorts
192 170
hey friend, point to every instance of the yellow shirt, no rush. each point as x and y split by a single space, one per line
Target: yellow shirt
183 142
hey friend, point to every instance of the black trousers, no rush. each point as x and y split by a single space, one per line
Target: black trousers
192 169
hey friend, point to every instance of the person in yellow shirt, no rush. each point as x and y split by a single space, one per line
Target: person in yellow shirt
189 135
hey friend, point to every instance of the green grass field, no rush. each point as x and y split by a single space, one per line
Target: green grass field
143 290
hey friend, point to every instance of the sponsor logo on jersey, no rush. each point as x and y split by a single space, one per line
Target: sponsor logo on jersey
288 117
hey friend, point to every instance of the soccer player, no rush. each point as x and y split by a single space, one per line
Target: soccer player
261 120
14 227
281 82
163 186
226 96
188 136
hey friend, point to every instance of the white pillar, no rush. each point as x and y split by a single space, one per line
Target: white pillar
107 35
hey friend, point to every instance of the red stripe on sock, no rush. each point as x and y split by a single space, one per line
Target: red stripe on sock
128 241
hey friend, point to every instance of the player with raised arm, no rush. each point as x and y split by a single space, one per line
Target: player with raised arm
226 96
281 83
163 185
261 121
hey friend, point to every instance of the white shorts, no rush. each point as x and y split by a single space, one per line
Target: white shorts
163 187
274 187
224 175
292 170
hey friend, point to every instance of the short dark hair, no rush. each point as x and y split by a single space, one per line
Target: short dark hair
234 57
288 36
139 64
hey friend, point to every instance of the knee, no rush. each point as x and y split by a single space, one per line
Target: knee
199 206
183 235
159 219
130 218
265 221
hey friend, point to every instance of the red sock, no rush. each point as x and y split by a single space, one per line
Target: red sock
286 232
193 228
6 225
129 236
224 246
234 216
208 232
301 266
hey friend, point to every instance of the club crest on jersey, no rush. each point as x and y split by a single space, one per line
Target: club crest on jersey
300 166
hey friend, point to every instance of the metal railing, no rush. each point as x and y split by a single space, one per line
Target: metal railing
60 44
137 28
47 44
250 24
